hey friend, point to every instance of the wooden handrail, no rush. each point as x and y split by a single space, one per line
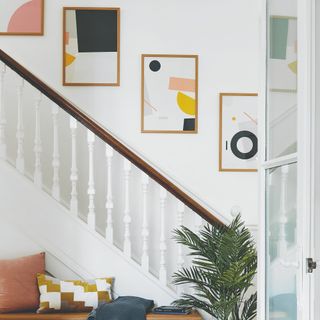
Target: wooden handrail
99 131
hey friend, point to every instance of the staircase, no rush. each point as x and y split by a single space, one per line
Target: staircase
76 191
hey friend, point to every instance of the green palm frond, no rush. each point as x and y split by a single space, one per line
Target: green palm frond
249 310
223 268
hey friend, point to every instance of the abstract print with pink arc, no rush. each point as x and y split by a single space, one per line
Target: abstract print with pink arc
27 18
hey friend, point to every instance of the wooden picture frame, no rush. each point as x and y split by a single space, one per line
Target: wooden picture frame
106 53
171 84
242 125
31 11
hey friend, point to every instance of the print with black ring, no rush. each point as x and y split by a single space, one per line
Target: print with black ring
234 145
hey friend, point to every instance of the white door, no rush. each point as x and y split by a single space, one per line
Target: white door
315 231
285 151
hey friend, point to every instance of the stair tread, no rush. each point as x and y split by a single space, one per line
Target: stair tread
83 316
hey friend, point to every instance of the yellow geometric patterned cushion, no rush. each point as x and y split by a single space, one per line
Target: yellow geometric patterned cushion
72 296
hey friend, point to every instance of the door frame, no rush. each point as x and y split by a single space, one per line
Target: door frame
304 158
305 151
311 18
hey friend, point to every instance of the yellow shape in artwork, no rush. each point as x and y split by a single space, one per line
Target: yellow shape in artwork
69 59
186 103
293 66
234 119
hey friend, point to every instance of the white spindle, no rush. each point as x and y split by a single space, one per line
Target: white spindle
197 223
91 186
74 168
37 176
3 122
127 217
180 261
109 201
283 219
55 154
180 216
145 227
235 211
163 244
20 130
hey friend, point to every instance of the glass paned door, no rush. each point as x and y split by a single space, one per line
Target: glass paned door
282 253
280 167
282 78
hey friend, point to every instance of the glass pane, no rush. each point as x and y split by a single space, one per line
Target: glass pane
281 259
282 78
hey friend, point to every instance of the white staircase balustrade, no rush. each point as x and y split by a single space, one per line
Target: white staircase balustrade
74 168
109 200
127 209
145 225
91 185
3 121
20 130
55 154
163 243
127 166
283 271
180 216
235 211
197 223
282 244
180 261
37 176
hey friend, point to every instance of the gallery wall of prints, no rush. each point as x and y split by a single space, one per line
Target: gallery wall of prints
227 62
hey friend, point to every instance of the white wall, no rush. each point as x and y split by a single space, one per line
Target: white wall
14 243
225 35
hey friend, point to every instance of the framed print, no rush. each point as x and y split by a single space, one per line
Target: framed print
283 54
21 17
91 46
238 132
169 93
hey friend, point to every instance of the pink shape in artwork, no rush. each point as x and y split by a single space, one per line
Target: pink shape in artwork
67 37
27 18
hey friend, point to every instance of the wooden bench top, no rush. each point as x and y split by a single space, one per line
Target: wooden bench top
83 316
194 315
34 316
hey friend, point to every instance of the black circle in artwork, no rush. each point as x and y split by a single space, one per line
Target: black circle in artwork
155 65
234 145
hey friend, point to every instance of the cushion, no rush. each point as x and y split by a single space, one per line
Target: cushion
18 283
72 295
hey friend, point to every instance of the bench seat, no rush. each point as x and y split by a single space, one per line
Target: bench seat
83 316
53 316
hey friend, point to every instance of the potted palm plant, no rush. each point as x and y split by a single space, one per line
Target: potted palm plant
222 272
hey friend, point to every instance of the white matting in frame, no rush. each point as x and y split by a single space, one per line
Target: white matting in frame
238 132
169 87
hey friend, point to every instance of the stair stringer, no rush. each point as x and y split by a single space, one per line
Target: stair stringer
70 240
